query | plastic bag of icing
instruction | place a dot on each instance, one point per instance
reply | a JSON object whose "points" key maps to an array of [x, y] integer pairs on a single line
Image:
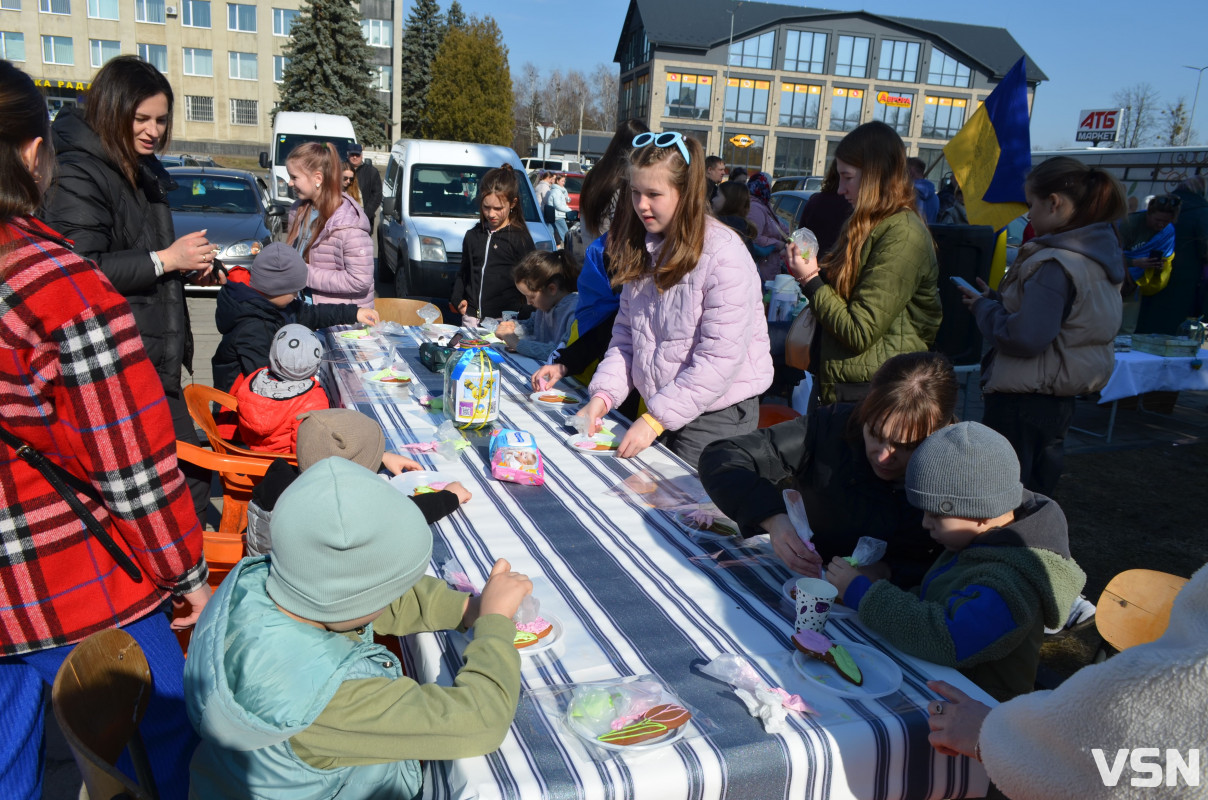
{"points": [[869, 550], [515, 457], [428, 313], [769, 704], [795, 507], [530, 609], [806, 242]]}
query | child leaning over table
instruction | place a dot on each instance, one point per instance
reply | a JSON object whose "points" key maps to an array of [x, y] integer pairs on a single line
{"points": [[346, 434], [1005, 574], [271, 399], [547, 281], [283, 682]]}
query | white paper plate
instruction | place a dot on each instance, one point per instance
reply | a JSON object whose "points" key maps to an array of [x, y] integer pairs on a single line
{"points": [[359, 338], [837, 609], [575, 438], [440, 329], [377, 378], [536, 400], [408, 482], [549, 641], [670, 737], [881, 675]]}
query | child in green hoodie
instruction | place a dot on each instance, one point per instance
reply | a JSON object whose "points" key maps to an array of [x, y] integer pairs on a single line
{"points": [[1006, 571]]}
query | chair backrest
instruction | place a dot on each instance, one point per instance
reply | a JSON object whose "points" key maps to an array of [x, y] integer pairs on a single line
{"points": [[401, 310], [1135, 607], [99, 697], [198, 397], [774, 413]]}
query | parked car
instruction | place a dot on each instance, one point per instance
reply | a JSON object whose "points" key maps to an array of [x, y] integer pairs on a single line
{"points": [[179, 160], [232, 206], [809, 183], [574, 185], [789, 205], [430, 201]]}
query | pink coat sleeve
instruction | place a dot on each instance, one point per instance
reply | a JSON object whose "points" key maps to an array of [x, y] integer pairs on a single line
{"points": [[613, 377], [723, 350], [342, 265]]}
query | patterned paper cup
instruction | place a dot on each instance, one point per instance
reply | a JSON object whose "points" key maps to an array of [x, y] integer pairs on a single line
{"points": [[814, 600]]}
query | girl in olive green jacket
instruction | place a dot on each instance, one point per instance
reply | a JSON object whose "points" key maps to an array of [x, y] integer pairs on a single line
{"points": [[879, 297]]}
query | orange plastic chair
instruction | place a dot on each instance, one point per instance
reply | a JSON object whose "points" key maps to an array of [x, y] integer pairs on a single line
{"points": [[773, 413], [239, 473]]}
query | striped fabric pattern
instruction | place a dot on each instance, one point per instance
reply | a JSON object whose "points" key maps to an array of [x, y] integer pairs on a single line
{"points": [[639, 594], [75, 383]]}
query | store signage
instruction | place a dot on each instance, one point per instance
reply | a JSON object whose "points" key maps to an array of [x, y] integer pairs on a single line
{"points": [[1098, 125], [896, 100], [741, 140], [79, 86]]}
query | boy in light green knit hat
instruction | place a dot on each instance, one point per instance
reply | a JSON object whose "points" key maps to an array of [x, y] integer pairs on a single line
{"points": [[283, 682], [1006, 571]]}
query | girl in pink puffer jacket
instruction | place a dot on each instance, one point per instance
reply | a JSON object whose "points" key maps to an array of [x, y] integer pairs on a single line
{"points": [[329, 228], [690, 334]]}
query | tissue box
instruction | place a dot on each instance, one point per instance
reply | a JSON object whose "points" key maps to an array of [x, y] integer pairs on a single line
{"points": [[515, 457]]}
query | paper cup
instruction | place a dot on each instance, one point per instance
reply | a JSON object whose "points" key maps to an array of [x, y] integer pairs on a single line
{"points": [[814, 600]]}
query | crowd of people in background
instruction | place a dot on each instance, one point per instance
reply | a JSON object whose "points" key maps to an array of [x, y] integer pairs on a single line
{"points": [[664, 319]]}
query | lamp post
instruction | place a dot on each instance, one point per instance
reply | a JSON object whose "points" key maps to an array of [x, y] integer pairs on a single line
{"points": [[726, 82], [1191, 121]]}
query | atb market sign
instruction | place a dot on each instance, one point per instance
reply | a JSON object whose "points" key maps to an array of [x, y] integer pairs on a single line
{"points": [[1099, 125]]}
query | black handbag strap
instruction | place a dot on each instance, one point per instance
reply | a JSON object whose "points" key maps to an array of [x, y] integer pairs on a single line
{"points": [[51, 472]]}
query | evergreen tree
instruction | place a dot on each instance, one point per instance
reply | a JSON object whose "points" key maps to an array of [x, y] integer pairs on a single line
{"points": [[455, 17], [471, 95], [421, 41], [328, 69]]}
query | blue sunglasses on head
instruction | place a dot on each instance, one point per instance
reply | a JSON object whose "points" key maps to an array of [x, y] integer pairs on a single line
{"points": [[664, 139]]}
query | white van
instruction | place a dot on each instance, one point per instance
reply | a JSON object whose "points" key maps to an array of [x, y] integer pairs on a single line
{"points": [[292, 128], [429, 203], [552, 164]]}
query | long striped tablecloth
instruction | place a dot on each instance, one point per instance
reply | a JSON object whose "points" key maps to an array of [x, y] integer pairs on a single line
{"points": [[637, 593]]}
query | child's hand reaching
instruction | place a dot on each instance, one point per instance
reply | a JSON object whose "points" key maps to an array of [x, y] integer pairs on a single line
{"points": [[399, 464], [639, 436], [595, 411], [367, 316], [804, 271], [504, 590], [547, 376], [507, 326], [840, 574], [463, 494]]}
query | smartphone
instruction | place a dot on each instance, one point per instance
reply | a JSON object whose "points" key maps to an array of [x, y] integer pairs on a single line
{"points": [[456, 339], [964, 284], [220, 268]]}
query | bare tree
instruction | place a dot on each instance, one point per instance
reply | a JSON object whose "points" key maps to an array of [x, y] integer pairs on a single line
{"points": [[604, 81], [1174, 125], [1140, 104], [527, 106]]}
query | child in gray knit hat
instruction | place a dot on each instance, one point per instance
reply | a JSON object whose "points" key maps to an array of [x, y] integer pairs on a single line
{"points": [[272, 398], [1006, 571], [284, 683]]}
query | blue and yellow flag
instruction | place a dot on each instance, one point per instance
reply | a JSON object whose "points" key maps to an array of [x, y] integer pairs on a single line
{"points": [[991, 154]]}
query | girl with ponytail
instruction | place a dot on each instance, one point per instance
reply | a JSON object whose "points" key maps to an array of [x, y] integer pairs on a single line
{"points": [[547, 281], [329, 228], [1053, 320], [879, 296]]}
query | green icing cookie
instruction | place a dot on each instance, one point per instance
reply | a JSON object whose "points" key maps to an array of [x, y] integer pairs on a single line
{"points": [[846, 664]]}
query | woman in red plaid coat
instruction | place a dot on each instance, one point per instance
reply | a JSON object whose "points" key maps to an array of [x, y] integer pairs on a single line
{"points": [[76, 385]]}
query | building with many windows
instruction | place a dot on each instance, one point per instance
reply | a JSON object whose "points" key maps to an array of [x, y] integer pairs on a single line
{"points": [[224, 59], [775, 87]]}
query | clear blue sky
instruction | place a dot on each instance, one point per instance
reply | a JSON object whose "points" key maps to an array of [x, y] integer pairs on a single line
{"points": [[1088, 50]]}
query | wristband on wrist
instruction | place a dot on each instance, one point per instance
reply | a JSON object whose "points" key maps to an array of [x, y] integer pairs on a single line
{"points": [[159, 264], [653, 423]]}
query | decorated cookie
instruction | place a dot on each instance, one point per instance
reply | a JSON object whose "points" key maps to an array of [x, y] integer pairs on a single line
{"points": [[596, 444], [558, 398], [669, 714], [635, 733], [815, 645], [529, 633]]}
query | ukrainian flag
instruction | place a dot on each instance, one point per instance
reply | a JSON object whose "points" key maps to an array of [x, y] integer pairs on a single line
{"points": [[991, 154]]}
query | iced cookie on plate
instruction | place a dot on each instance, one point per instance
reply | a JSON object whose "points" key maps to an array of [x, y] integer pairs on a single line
{"points": [[815, 645], [529, 633], [654, 723]]}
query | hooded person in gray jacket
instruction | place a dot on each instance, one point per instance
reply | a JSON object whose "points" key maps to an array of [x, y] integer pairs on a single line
{"points": [[1053, 320]]}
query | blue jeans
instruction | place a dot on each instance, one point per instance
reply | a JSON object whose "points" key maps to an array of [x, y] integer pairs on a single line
{"points": [[167, 735], [560, 229]]}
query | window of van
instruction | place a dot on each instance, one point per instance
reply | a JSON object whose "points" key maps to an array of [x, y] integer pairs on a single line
{"points": [[447, 190], [286, 142]]}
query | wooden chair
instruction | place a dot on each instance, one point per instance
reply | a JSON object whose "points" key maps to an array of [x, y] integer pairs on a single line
{"points": [[1135, 607], [401, 310], [99, 697]]}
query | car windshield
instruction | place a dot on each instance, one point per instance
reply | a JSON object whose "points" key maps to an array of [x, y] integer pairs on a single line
{"points": [[208, 193], [574, 184], [447, 190], [286, 142]]}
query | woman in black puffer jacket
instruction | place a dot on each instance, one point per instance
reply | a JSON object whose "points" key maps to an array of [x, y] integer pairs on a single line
{"points": [[110, 199]]}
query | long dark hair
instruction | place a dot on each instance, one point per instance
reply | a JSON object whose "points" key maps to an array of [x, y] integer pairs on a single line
{"points": [[502, 180], [608, 177], [23, 118], [910, 397], [885, 189], [1097, 196], [117, 91], [539, 269]]}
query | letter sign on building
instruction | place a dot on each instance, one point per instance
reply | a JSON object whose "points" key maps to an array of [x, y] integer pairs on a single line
{"points": [[1098, 125]]}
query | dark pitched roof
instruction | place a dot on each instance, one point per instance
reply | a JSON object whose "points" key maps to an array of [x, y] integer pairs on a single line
{"points": [[708, 25], [594, 143]]}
